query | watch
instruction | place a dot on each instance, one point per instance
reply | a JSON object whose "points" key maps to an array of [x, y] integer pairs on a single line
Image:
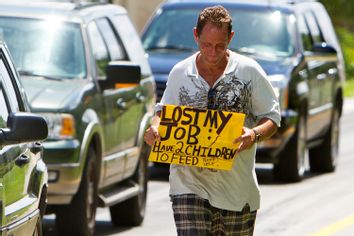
{"points": [[257, 136]]}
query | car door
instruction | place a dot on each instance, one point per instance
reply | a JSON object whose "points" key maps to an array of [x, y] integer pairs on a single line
{"points": [[144, 98], [307, 73], [119, 119], [327, 68], [16, 161], [319, 112], [330, 69], [128, 101]]}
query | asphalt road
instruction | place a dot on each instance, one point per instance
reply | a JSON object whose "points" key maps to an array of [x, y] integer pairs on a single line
{"points": [[320, 205]]}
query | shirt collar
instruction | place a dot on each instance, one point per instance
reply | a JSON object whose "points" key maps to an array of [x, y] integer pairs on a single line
{"points": [[230, 67]]}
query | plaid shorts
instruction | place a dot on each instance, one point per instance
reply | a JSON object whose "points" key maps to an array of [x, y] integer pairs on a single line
{"points": [[194, 216]]}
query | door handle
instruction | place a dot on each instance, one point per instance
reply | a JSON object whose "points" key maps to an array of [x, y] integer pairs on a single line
{"points": [[332, 72], [121, 104], [303, 74], [321, 76], [22, 160], [140, 97], [36, 147]]}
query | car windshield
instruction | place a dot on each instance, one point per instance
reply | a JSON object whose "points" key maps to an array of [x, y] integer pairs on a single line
{"points": [[48, 48], [261, 33]]}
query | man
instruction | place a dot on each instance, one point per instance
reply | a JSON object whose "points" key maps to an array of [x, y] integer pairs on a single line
{"points": [[207, 201]]}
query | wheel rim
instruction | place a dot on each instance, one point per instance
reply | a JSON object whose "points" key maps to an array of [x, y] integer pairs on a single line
{"points": [[335, 138], [302, 151], [142, 186], [91, 205]]}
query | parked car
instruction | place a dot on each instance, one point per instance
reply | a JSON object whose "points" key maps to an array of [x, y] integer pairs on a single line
{"points": [[83, 67], [295, 43], [23, 174]]}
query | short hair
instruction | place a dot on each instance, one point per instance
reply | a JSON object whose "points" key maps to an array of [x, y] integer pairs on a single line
{"points": [[216, 15]]}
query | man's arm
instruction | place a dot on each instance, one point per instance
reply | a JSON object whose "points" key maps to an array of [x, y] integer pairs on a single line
{"points": [[152, 133], [264, 130]]}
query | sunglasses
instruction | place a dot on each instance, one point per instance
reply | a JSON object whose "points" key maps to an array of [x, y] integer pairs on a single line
{"points": [[212, 99]]}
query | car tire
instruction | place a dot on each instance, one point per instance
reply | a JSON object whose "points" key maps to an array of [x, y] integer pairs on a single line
{"points": [[132, 211], [291, 164], [324, 157], [78, 218]]}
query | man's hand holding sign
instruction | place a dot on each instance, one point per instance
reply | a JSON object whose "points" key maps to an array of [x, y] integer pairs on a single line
{"points": [[193, 137], [203, 138]]}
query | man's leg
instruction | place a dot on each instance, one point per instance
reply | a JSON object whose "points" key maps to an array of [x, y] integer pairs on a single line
{"points": [[232, 222], [192, 215]]}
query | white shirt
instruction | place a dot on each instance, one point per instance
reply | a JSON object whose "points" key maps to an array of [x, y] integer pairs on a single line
{"points": [[243, 88]]}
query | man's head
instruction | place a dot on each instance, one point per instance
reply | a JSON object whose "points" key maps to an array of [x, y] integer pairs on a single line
{"points": [[217, 15], [213, 34]]}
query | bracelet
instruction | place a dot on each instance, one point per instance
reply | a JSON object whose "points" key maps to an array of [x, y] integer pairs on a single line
{"points": [[257, 135]]}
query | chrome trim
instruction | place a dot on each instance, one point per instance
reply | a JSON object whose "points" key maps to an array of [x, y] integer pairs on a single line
{"points": [[64, 165], [20, 204], [320, 109], [288, 113], [120, 195], [34, 215]]}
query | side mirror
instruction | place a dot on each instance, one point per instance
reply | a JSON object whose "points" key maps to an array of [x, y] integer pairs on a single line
{"points": [[23, 127], [121, 74], [324, 48]]}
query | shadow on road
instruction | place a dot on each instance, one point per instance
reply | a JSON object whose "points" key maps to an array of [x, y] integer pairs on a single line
{"points": [[102, 228], [106, 228], [265, 175], [161, 173]]}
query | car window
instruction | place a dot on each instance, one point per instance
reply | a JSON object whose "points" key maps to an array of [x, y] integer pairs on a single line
{"points": [[305, 33], [171, 30], [314, 29], [326, 26], [131, 41], [115, 48], [99, 49], [3, 108], [8, 87], [58, 51], [262, 32]]}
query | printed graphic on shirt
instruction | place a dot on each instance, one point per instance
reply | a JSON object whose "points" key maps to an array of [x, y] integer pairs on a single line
{"points": [[200, 138], [232, 94]]}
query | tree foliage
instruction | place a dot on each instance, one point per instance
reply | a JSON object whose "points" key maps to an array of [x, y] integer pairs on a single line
{"points": [[341, 12]]}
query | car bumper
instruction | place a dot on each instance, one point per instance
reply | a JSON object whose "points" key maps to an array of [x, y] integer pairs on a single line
{"points": [[64, 170], [268, 150]]}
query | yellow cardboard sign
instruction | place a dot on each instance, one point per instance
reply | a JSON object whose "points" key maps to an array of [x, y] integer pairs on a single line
{"points": [[195, 137]]}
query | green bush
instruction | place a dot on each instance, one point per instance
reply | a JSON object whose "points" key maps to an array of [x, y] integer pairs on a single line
{"points": [[346, 39]]}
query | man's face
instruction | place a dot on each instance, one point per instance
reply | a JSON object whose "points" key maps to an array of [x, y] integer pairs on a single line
{"points": [[213, 42]]}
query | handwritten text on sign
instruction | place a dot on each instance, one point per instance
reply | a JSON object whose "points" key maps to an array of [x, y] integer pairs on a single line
{"points": [[196, 137]]}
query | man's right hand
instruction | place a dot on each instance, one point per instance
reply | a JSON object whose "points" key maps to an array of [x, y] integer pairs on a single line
{"points": [[151, 134]]}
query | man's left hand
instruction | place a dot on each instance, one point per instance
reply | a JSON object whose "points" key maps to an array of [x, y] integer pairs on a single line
{"points": [[246, 140]]}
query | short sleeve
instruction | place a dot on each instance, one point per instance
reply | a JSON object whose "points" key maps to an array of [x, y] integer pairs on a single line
{"points": [[265, 103], [170, 95]]}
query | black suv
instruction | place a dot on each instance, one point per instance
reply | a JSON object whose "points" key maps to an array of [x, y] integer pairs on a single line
{"points": [[295, 43], [23, 174], [84, 68]]}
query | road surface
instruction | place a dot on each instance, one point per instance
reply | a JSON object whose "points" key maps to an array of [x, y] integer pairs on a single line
{"points": [[320, 205]]}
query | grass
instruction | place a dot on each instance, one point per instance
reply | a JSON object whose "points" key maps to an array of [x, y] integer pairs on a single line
{"points": [[349, 88]]}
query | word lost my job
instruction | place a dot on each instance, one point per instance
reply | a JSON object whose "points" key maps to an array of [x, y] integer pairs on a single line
{"points": [[196, 137]]}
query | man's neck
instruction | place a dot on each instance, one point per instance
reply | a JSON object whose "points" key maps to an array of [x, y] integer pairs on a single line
{"points": [[211, 72]]}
